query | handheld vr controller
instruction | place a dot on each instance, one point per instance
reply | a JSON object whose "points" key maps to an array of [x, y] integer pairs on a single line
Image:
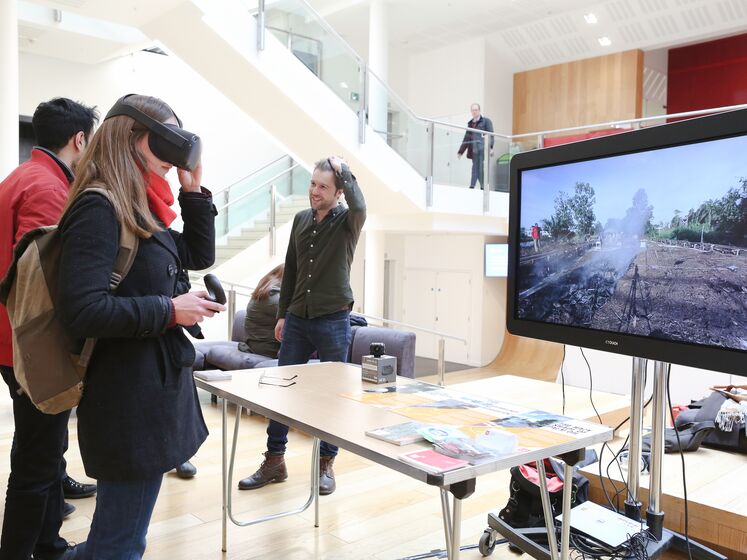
{"points": [[214, 289]]}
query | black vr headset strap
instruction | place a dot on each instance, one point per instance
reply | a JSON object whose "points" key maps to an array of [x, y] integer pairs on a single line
{"points": [[122, 108]]}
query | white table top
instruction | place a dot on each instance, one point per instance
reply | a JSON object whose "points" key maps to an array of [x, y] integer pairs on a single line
{"points": [[316, 404]]}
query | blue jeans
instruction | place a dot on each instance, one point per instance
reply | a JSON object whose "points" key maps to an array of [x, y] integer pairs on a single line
{"points": [[330, 336], [120, 522], [478, 169]]}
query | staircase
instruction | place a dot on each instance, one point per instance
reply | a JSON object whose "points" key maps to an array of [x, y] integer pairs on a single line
{"points": [[235, 243], [312, 114]]}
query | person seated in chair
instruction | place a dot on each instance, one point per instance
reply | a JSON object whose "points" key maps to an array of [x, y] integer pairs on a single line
{"points": [[261, 316]]}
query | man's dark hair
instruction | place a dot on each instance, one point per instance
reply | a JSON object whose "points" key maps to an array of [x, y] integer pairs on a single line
{"points": [[58, 120], [325, 165]]}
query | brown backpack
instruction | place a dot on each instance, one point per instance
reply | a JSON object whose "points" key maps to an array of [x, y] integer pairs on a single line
{"points": [[49, 365]]}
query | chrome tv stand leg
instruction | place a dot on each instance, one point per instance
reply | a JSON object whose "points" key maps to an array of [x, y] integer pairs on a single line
{"points": [[665, 539]]}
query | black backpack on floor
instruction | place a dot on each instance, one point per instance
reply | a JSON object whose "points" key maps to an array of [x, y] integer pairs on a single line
{"points": [[524, 507]]}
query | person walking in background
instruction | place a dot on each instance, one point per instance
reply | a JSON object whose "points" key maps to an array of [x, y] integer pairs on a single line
{"points": [[32, 196], [139, 416], [474, 144], [316, 299], [536, 233]]}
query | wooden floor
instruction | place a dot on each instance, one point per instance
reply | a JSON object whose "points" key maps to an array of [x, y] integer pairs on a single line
{"points": [[375, 513]]}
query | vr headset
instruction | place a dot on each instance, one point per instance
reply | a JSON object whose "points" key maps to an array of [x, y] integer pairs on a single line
{"points": [[168, 142]]}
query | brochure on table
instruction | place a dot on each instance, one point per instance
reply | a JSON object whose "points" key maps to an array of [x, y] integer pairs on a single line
{"points": [[474, 415]]}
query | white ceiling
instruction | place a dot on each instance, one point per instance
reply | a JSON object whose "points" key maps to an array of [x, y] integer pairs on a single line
{"points": [[533, 33]]}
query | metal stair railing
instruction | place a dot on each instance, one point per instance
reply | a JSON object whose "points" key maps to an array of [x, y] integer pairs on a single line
{"points": [[234, 289]]}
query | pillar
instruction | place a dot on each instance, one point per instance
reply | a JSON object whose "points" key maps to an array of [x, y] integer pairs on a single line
{"points": [[378, 62], [9, 132]]}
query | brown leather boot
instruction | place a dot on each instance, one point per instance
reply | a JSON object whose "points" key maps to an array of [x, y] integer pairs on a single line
{"points": [[327, 483], [272, 469]]}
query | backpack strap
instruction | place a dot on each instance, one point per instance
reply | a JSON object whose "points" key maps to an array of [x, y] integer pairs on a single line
{"points": [[128, 245]]}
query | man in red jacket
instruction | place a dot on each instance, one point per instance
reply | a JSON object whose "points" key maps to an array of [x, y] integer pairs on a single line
{"points": [[34, 195]]}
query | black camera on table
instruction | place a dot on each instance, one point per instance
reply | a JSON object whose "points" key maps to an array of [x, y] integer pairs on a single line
{"points": [[377, 367]]}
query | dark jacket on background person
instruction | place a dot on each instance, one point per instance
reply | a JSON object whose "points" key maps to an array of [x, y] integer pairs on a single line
{"points": [[259, 325], [473, 141], [139, 415]]}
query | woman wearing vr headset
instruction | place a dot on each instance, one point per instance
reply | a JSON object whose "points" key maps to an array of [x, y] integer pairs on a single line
{"points": [[139, 416]]}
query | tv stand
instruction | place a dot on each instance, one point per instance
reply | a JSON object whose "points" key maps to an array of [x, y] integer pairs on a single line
{"points": [[665, 539], [534, 541]]}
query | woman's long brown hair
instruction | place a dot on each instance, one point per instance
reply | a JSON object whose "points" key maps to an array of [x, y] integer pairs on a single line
{"points": [[114, 162], [274, 277]]}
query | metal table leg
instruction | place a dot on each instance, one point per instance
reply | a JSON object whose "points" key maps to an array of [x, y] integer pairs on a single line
{"points": [[227, 464], [456, 529], [224, 466], [565, 530], [446, 516], [552, 542]]}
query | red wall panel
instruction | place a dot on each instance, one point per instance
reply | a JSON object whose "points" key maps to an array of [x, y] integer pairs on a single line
{"points": [[712, 74]]}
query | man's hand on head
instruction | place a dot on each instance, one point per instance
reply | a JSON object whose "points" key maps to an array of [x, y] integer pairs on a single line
{"points": [[336, 162]]}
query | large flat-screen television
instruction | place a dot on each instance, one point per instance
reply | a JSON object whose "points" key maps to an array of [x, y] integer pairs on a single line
{"points": [[636, 243]]}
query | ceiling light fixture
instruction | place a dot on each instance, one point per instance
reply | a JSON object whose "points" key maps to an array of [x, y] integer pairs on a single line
{"points": [[590, 18], [343, 85], [605, 41]]}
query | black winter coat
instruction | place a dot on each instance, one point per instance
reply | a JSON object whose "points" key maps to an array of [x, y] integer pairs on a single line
{"points": [[474, 142], [139, 416]]}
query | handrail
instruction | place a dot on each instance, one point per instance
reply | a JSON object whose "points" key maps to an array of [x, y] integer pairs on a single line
{"points": [[613, 124], [441, 361], [258, 187], [327, 27], [427, 120], [467, 128], [250, 289], [252, 174], [414, 327]]}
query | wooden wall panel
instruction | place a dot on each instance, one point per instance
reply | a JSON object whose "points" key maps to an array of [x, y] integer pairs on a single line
{"points": [[595, 90]]}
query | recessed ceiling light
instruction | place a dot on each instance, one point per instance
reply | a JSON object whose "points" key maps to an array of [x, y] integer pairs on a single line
{"points": [[590, 18], [343, 85], [605, 41]]}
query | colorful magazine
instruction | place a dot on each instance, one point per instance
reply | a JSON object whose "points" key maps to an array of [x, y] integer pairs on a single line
{"points": [[432, 461], [398, 434]]}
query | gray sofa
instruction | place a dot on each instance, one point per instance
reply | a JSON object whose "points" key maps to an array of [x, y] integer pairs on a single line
{"points": [[226, 355]]}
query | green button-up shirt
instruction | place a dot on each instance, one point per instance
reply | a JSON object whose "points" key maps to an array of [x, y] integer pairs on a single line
{"points": [[316, 281]]}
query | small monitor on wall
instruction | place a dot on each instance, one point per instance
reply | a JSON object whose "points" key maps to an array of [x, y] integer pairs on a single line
{"points": [[496, 260], [636, 243]]}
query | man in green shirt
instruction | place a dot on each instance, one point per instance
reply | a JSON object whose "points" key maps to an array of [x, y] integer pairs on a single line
{"points": [[316, 299]]}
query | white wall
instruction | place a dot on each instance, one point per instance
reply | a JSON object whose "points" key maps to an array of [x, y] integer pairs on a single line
{"points": [[612, 373], [447, 80], [233, 145], [499, 89], [468, 306]]}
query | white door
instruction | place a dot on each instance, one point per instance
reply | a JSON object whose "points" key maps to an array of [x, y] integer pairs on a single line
{"points": [[453, 305], [418, 306]]}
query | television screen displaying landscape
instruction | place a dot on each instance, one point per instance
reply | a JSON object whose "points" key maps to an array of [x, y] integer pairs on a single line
{"points": [[651, 243]]}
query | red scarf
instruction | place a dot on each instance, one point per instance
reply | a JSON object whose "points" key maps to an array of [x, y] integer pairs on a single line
{"points": [[160, 197]]}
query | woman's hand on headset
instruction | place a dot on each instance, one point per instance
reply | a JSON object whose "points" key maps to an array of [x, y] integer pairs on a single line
{"points": [[191, 180]]}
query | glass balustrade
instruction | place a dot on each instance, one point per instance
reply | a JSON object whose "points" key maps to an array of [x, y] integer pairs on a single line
{"points": [[318, 47], [391, 119], [251, 197], [429, 147]]}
